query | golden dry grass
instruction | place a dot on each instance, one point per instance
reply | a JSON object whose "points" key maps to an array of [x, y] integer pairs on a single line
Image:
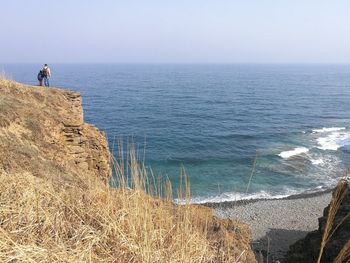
{"points": [[338, 196], [4, 76], [344, 254], [54, 220]]}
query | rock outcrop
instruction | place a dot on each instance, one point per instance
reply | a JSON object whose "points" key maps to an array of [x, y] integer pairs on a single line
{"points": [[42, 132], [57, 207], [307, 249]]}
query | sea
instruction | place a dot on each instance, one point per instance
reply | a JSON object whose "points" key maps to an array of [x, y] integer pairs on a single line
{"points": [[240, 131]]}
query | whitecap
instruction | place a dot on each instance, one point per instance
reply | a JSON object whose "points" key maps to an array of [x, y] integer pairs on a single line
{"points": [[334, 141], [295, 151], [317, 161], [331, 129]]}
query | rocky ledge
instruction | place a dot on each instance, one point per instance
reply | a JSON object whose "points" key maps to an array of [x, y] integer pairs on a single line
{"points": [[57, 208], [337, 247], [42, 132]]}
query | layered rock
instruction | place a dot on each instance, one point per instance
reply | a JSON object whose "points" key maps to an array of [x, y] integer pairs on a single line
{"points": [[56, 208], [307, 249], [42, 131]]}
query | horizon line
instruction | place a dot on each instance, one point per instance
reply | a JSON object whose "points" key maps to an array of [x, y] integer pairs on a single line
{"points": [[184, 63]]}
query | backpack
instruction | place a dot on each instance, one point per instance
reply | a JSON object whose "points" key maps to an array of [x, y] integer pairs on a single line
{"points": [[45, 72], [40, 75]]}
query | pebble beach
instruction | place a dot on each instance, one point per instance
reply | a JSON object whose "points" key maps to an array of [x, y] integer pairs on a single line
{"points": [[278, 223]]}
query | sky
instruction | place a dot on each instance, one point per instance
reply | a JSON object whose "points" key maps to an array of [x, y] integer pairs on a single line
{"points": [[177, 31]]}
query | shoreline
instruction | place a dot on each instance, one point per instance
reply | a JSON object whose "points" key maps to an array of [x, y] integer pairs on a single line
{"points": [[276, 223], [243, 202]]}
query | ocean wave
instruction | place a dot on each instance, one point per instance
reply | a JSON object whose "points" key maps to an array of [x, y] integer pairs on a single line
{"points": [[236, 196], [331, 129], [334, 141], [295, 151], [319, 161]]}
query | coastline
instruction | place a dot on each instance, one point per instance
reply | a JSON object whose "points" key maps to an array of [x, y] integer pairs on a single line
{"points": [[276, 223], [243, 202], [55, 167]]}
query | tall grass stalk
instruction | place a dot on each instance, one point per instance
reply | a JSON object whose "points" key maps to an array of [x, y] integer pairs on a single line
{"points": [[344, 254], [53, 220], [4, 75], [252, 173], [337, 198]]}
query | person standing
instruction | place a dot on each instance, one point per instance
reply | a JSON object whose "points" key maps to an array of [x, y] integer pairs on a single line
{"points": [[47, 74], [40, 77]]}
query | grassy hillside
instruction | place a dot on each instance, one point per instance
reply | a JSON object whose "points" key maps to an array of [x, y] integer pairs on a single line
{"points": [[56, 204]]}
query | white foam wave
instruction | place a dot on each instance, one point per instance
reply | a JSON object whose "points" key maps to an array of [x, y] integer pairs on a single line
{"points": [[334, 141], [235, 196], [317, 161], [331, 129], [295, 151]]}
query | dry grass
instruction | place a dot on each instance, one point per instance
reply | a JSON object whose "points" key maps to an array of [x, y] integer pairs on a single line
{"points": [[4, 76], [338, 196], [53, 220], [344, 254]]}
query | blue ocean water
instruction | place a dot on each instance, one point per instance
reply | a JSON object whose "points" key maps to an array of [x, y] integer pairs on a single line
{"points": [[216, 119]]}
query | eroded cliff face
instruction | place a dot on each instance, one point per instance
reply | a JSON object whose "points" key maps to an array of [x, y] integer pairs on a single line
{"points": [[57, 207], [307, 249], [42, 132]]}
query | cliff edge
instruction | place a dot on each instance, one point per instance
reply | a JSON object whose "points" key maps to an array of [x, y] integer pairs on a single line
{"points": [[332, 235], [42, 132], [56, 204]]}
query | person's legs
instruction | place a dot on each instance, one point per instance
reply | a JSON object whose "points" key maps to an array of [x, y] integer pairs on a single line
{"points": [[46, 81]]}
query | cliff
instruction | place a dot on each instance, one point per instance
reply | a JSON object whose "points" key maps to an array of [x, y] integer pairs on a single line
{"points": [[42, 132], [56, 204], [333, 230]]}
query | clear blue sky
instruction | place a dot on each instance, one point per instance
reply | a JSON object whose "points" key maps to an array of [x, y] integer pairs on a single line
{"points": [[177, 31]]}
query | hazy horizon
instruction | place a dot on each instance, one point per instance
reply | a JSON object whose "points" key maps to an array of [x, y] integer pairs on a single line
{"points": [[182, 63], [181, 32]]}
